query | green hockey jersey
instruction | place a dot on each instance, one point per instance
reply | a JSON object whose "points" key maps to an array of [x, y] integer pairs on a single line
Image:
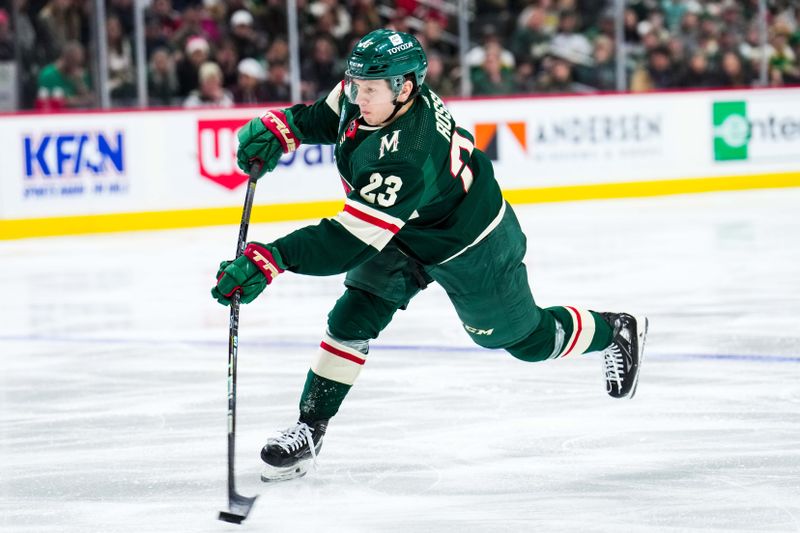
{"points": [[418, 182]]}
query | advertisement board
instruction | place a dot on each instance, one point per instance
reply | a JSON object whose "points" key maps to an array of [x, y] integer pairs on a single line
{"points": [[87, 164]]}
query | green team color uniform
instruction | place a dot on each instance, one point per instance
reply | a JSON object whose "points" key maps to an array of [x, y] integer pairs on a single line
{"points": [[422, 205]]}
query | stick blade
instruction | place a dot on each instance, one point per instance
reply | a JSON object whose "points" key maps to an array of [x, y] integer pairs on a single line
{"points": [[239, 507], [233, 518]]}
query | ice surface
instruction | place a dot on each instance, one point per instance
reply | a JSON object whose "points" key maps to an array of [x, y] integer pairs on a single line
{"points": [[113, 392]]}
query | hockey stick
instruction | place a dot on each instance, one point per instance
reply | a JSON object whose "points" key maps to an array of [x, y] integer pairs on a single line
{"points": [[238, 506]]}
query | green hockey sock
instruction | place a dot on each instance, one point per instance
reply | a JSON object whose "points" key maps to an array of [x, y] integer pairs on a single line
{"points": [[321, 398]]}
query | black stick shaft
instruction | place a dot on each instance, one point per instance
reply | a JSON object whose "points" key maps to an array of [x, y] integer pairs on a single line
{"points": [[233, 339]]}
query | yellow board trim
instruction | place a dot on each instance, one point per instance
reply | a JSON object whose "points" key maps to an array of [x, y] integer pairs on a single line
{"points": [[190, 218]]}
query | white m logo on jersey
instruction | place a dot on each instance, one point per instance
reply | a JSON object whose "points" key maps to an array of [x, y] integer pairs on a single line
{"points": [[389, 144]]}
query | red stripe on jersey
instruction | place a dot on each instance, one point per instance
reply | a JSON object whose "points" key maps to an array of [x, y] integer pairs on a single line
{"points": [[340, 353], [578, 329], [375, 221]]}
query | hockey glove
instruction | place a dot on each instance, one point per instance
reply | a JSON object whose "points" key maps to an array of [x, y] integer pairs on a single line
{"points": [[264, 140], [250, 273]]}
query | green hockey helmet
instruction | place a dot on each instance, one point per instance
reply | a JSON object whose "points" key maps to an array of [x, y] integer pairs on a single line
{"points": [[386, 55]]}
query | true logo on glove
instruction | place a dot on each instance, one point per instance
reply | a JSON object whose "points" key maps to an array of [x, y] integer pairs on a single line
{"points": [[289, 140], [263, 260], [264, 264]]}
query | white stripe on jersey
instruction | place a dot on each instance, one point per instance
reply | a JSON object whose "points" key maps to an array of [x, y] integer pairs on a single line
{"points": [[493, 224], [377, 213], [335, 97], [367, 233]]}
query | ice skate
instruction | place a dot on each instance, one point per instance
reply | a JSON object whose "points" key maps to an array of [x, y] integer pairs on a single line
{"points": [[290, 455], [622, 360]]}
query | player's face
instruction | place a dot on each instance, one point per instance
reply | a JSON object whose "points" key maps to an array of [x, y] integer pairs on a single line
{"points": [[374, 98]]}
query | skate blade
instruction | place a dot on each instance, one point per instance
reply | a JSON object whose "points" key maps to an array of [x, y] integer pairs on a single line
{"points": [[271, 473], [642, 337]]}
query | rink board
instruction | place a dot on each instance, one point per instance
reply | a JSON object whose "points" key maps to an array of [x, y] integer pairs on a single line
{"points": [[98, 172]]}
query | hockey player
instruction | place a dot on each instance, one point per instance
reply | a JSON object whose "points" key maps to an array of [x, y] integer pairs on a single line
{"points": [[422, 205]]}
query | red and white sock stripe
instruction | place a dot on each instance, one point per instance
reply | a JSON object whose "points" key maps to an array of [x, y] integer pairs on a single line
{"points": [[337, 362], [371, 226], [582, 332]]}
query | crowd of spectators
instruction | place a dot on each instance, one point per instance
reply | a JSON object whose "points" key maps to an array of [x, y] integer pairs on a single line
{"points": [[225, 52]]}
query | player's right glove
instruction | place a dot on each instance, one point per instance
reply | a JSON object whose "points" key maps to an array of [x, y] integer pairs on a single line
{"points": [[251, 272], [264, 140]]}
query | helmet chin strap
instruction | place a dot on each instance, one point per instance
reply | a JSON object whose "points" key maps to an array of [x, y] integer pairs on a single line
{"points": [[397, 107]]}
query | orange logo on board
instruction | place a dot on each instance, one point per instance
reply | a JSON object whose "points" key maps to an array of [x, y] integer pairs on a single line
{"points": [[486, 137]]}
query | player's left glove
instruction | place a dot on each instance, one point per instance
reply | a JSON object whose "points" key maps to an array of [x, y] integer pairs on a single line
{"points": [[251, 272]]}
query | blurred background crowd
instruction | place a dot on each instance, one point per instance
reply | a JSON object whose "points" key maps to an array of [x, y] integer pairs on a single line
{"points": [[226, 52]]}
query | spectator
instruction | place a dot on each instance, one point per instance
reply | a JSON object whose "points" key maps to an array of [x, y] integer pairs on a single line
{"points": [[336, 12], [630, 24], [708, 39], [195, 22], [525, 77], [750, 49], [492, 78], [366, 10], [654, 23], [784, 58], [120, 63], [476, 57], [59, 21], [689, 31], [558, 77], [698, 73], [399, 20], [602, 73], [162, 82], [677, 51], [732, 19], [123, 10], [607, 25], [278, 52], [210, 92], [433, 35], [436, 78], [321, 71], [273, 18], [658, 73], [531, 40], [277, 87], [728, 41], [361, 27], [250, 88], [248, 42], [775, 77], [568, 42], [6, 38], [67, 78], [732, 71], [227, 57], [674, 10], [154, 36], [162, 23], [188, 68]]}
